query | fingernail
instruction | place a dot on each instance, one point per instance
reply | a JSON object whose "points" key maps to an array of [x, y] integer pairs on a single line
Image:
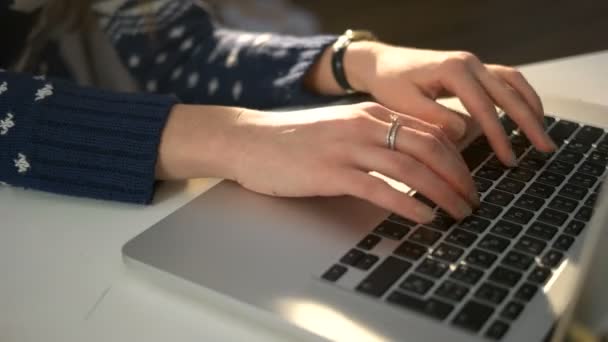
{"points": [[424, 213], [464, 209], [474, 198], [459, 127], [513, 160]]}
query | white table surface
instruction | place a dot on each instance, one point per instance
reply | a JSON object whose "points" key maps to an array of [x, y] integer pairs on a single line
{"points": [[63, 279]]}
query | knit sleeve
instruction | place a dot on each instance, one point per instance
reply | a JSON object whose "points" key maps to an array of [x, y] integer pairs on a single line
{"points": [[176, 47], [59, 137]]}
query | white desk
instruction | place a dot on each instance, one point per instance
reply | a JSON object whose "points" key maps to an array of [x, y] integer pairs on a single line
{"points": [[62, 276]]}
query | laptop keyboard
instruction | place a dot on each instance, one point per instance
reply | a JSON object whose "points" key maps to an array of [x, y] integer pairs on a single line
{"points": [[478, 274]]}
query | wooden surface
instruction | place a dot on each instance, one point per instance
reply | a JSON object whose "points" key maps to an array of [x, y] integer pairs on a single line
{"points": [[506, 32]]}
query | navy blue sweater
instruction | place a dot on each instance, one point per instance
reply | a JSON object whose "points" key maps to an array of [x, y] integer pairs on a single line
{"points": [[60, 137]]}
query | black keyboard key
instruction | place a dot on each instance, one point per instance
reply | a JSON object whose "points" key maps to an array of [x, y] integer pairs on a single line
{"points": [[452, 291], [416, 284], [473, 316], [563, 203], [590, 201], [599, 158], [467, 274], [526, 292], [430, 307], [474, 224], [522, 175], [582, 180], [507, 229], [518, 215], [491, 293], [573, 191], [519, 140], [424, 200], [554, 217], [447, 252], [480, 258], [548, 121], [592, 169], [529, 202], [540, 275], [550, 178], [517, 260], [536, 154], [569, 157], [578, 146], [334, 273], [432, 268], [508, 124], [383, 276], [481, 184], [562, 130], [560, 167], [588, 134], [540, 190], [602, 145], [584, 213], [488, 210], [531, 163], [461, 237], [392, 230], [497, 330], [574, 227], [512, 310], [401, 220], [504, 276], [411, 250], [498, 197], [542, 231], [552, 258], [369, 242], [367, 262], [563, 242], [493, 243], [442, 222], [489, 172], [530, 245], [425, 236], [510, 185], [518, 150], [352, 257]]}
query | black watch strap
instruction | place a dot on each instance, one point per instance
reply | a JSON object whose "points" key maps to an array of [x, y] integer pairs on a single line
{"points": [[337, 58]]}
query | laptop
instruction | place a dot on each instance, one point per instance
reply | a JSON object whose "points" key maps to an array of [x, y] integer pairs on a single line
{"points": [[342, 269]]}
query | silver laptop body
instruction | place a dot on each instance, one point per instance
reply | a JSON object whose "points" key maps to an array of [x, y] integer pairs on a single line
{"points": [[265, 257]]}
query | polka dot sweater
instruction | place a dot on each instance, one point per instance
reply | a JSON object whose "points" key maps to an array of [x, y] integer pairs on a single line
{"points": [[65, 138]]}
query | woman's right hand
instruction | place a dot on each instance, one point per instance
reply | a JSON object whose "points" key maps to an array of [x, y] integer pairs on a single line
{"points": [[331, 151]]}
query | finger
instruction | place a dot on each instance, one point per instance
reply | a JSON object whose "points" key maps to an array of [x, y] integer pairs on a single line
{"points": [[477, 102], [446, 162], [427, 109], [384, 114], [415, 174], [515, 106], [362, 185], [517, 81]]}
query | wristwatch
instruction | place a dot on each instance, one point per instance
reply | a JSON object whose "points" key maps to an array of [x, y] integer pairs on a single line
{"points": [[339, 48]]}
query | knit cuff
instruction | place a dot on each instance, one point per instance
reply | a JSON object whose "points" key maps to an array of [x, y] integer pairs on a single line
{"points": [[80, 141]]}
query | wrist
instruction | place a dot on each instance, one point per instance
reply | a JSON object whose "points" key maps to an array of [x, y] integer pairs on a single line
{"points": [[359, 64], [198, 141]]}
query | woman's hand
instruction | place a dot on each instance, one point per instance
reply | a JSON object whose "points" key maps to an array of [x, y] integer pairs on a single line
{"points": [[409, 80], [330, 151]]}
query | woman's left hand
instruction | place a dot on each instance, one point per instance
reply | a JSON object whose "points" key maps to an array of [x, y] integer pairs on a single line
{"points": [[410, 80]]}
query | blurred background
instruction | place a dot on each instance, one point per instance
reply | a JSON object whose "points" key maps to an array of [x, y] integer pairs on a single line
{"points": [[507, 32]]}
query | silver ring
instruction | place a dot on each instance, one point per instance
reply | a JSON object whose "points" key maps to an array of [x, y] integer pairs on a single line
{"points": [[391, 136]]}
